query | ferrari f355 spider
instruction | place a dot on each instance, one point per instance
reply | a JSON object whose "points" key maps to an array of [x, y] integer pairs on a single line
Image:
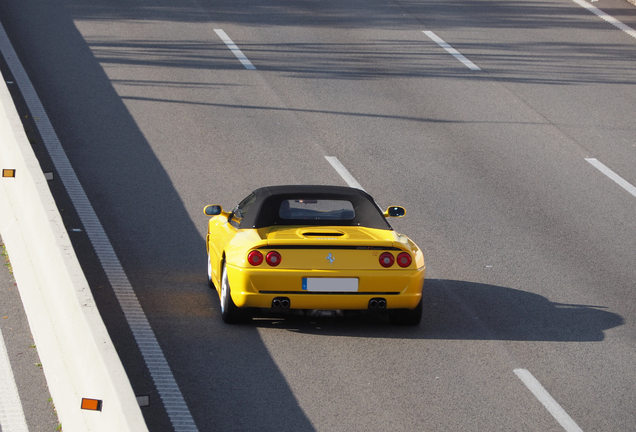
{"points": [[312, 248]]}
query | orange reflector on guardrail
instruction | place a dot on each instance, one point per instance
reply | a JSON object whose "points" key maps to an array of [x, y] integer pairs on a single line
{"points": [[91, 404], [8, 173]]}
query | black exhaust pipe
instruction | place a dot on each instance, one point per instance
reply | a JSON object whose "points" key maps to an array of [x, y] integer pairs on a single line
{"points": [[281, 303], [377, 303]]}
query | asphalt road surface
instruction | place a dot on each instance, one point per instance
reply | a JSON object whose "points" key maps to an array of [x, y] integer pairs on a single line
{"points": [[485, 119]]}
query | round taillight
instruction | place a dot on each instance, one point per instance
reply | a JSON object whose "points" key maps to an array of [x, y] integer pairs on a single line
{"points": [[273, 258], [255, 258], [404, 259], [386, 259]]}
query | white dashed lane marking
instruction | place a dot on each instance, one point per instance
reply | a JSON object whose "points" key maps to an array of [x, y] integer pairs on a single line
{"points": [[610, 19], [548, 401], [612, 175], [235, 50], [470, 65], [344, 173]]}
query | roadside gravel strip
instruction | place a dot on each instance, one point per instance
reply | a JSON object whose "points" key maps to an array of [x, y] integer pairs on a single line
{"points": [[78, 357], [11, 413], [32, 403]]}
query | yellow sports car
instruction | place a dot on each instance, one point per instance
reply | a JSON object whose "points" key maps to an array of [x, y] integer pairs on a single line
{"points": [[311, 249]]}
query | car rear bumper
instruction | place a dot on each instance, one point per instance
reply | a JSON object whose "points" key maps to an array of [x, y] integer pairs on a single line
{"points": [[401, 288]]}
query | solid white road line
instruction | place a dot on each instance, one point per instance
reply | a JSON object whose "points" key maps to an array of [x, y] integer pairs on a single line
{"points": [[612, 175], [544, 397], [610, 19], [235, 50], [11, 413], [344, 173], [160, 372], [451, 50]]}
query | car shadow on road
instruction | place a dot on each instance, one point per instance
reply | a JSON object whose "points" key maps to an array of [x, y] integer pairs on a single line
{"points": [[473, 311]]}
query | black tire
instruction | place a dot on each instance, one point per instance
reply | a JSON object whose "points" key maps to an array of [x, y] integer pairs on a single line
{"points": [[407, 317], [230, 313]]}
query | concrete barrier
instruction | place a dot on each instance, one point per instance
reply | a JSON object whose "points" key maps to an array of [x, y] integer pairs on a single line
{"points": [[78, 357]]}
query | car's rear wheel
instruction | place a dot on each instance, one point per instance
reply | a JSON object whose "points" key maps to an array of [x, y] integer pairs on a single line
{"points": [[407, 317], [230, 313]]}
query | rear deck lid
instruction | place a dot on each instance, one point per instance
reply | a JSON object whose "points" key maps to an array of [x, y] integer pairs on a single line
{"points": [[329, 236]]}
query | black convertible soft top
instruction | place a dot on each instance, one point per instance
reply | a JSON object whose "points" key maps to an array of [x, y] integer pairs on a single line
{"points": [[263, 205]]}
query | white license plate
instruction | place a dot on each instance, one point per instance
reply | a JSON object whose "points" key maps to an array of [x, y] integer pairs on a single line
{"points": [[330, 284]]}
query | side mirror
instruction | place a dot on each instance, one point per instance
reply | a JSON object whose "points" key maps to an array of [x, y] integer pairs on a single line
{"points": [[395, 211], [213, 210]]}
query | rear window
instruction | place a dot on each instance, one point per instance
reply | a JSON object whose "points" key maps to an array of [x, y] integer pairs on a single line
{"points": [[316, 209]]}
